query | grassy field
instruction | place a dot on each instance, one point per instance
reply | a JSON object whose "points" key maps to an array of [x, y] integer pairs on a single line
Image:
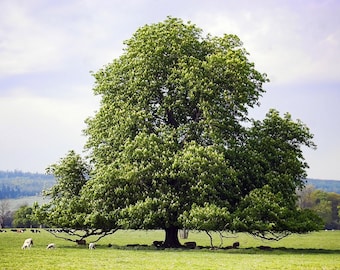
{"points": [[319, 250]]}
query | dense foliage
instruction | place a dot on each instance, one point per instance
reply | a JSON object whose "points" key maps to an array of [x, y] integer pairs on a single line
{"points": [[67, 209], [172, 145], [325, 204], [24, 218]]}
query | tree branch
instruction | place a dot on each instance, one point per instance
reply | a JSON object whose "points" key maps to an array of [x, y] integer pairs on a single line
{"points": [[88, 233], [270, 235]]}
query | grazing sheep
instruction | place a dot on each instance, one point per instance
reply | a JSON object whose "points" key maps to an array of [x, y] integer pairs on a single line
{"points": [[158, 244], [81, 242], [92, 246], [191, 245], [27, 243], [50, 246], [236, 245]]}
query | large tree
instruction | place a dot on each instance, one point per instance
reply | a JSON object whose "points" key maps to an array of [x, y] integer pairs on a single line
{"points": [[172, 135]]}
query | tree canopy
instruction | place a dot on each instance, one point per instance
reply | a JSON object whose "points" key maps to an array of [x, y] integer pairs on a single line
{"points": [[325, 204], [172, 145], [24, 217], [68, 209]]}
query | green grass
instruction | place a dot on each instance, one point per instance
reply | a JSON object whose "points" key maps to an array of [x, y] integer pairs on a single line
{"points": [[319, 250]]}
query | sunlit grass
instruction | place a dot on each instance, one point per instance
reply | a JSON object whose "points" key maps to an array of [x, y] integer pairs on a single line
{"points": [[320, 250]]}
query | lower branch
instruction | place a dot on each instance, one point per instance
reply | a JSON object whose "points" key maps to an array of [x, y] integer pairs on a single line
{"points": [[224, 236], [211, 239], [271, 235], [86, 233]]}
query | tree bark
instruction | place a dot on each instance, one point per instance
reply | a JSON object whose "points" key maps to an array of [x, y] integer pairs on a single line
{"points": [[171, 238]]}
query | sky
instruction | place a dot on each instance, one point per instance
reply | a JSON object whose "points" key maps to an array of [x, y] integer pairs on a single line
{"points": [[48, 50]]}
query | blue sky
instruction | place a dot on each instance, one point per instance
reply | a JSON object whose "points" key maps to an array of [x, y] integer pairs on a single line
{"points": [[48, 48]]}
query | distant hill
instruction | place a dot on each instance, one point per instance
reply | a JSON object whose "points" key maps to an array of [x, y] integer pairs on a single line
{"points": [[17, 184], [325, 185]]}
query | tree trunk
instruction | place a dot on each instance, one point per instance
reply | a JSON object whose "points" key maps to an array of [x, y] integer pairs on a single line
{"points": [[171, 238]]}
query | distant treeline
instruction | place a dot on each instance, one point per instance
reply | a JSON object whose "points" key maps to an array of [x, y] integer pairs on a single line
{"points": [[325, 185], [17, 184]]}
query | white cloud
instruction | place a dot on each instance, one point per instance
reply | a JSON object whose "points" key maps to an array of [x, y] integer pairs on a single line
{"points": [[38, 36], [27, 45], [38, 131], [288, 42], [47, 49]]}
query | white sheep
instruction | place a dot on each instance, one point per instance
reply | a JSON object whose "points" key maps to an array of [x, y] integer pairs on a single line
{"points": [[50, 246], [27, 243], [92, 246]]}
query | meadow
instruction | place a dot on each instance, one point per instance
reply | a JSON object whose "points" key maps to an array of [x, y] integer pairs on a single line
{"points": [[318, 250]]}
